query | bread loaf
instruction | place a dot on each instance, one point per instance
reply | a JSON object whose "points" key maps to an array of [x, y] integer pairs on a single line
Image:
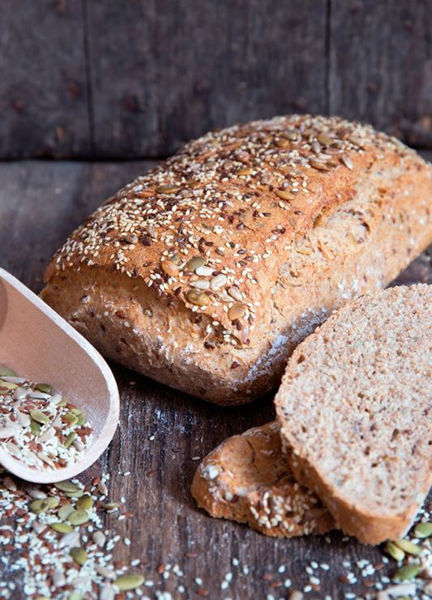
{"points": [[206, 272], [355, 410], [247, 479]]}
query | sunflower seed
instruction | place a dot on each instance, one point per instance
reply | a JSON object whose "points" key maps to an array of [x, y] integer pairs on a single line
{"points": [[347, 162], [69, 539], [200, 284], [218, 281], [99, 538], [204, 271], [285, 195], [235, 293]]}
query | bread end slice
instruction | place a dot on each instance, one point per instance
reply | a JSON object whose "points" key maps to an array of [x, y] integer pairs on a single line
{"points": [[246, 479], [355, 410]]}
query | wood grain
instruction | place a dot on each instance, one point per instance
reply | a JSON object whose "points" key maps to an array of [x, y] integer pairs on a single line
{"points": [[167, 71], [43, 88], [162, 430], [380, 65]]}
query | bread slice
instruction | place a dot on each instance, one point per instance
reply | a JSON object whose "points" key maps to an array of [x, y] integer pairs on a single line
{"points": [[355, 410], [246, 479]]}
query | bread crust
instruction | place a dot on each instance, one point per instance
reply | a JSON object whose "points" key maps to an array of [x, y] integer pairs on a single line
{"points": [[370, 521], [285, 219], [248, 480]]}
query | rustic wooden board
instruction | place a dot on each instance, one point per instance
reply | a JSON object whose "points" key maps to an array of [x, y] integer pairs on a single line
{"points": [[39, 203], [167, 71], [380, 65], [43, 87]]}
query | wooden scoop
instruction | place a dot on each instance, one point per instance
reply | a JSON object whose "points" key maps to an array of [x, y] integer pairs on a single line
{"points": [[39, 345]]}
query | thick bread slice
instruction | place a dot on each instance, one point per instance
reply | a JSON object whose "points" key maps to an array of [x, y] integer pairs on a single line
{"points": [[355, 409], [246, 479], [206, 272]]}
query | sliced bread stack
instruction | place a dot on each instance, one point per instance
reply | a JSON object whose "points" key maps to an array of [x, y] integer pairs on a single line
{"points": [[355, 416]]}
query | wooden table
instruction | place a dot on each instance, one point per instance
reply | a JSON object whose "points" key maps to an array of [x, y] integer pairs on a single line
{"points": [[162, 430]]}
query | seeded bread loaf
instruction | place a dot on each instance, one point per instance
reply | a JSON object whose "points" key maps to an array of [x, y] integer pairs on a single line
{"points": [[247, 479], [355, 410], [206, 272]]}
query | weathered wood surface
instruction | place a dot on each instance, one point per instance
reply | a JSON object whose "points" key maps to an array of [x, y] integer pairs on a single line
{"points": [[40, 202], [138, 78]]}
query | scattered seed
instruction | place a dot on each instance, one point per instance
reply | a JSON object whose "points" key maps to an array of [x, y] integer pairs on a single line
{"points": [[395, 552], [218, 281], [61, 527], [408, 547], [78, 517], [85, 502], [197, 297], [194, 263], [407, 572], [423, 530], [79, 555], [128, 582]]}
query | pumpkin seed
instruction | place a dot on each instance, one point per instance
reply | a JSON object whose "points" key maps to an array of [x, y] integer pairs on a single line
{"points": [[128, 582], [406, 572], [67, 486], [39, 416], [37, 506], [35, 428], [51, 502], [194, 263], [7, 385], [423, 530], [69, 439], [395, 552], [85, 502], [64, 511], [408, 547], [61, 527], [78, 517], [79, 555], [236, 311], [46, 388], [6, 372], [71, 418], [197, 297]]}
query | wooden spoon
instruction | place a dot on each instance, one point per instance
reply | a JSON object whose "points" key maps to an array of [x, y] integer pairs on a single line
{"points": [[39, 345]]}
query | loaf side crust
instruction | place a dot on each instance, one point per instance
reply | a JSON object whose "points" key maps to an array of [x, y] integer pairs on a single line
{"points": [[282, 256], [247, 479]]}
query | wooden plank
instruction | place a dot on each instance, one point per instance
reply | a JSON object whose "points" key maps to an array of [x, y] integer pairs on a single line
{"points": [[43, 87], [161, 430], [165, 71], [381, 65]]}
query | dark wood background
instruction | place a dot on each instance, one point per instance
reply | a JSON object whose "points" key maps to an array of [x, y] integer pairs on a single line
{"points": [[111, 80], [136, 78], [40, 202]]}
